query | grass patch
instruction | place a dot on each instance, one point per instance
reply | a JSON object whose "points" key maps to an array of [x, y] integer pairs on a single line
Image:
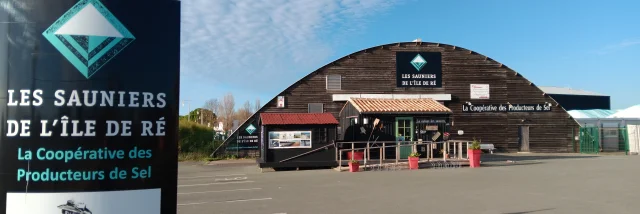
{"points": [[192, 156], [199, 156]]}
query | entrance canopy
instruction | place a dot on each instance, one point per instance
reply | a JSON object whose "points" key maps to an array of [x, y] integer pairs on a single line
{"points": [[298, 119], [398, 106]]}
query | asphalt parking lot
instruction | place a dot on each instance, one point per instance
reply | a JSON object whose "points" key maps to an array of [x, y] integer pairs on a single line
{"points": [[533, 184]]}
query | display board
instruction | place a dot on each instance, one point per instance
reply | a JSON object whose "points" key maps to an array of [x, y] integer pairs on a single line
{"points": [[419, 69], [90, 92], [479, 91], [289, 139], [280, 102]]}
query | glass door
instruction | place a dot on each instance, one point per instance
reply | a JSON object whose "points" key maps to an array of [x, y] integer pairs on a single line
{"points": [[404, 132]]}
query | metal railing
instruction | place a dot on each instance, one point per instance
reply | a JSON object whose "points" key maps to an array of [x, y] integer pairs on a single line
{"points": [[457, 150]]}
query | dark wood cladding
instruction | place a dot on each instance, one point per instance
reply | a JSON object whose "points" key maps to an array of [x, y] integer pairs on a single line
{"points": [[372, 71]]}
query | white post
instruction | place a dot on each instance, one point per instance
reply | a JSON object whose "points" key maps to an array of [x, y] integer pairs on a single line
{"points": [[384, 151], [340, 161]]}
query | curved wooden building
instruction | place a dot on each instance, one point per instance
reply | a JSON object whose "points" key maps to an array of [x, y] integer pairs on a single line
{"points": [[482, 98]]}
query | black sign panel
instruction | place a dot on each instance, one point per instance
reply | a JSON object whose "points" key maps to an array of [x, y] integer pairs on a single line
{"points": [[419, 69], [506, 108], [248, 138], [245, 142], [89, 101]]}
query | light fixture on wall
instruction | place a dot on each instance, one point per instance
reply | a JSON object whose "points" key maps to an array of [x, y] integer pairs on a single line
{"points": [[365, 121]]}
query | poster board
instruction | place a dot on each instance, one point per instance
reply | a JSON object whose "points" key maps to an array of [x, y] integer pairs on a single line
{"points": [[289, 139], [280, 102], [479, 91]]}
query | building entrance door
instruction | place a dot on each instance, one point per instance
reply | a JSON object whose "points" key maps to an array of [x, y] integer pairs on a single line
{"points": [[404, 132], [524, 138]]}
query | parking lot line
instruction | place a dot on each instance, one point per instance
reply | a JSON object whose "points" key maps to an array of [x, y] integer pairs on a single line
{"points": [[231, 179], [229, 190], [220, 183], [231, 201], [211, 176]]}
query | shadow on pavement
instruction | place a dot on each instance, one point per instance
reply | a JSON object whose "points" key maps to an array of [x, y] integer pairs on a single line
{"points": [[529, 157], [503, 164], [532, 211], [282, 169]]}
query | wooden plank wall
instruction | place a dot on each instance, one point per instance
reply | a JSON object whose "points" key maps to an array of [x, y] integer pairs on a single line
{"points": [[373, 71]]}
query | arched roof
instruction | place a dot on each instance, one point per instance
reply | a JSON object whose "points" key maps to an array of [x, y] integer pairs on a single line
{"points": [[413, 43]]}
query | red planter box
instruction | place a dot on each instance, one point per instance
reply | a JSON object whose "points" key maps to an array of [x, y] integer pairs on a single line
{"points": [[474, 158], [356, 155], [413, 162], [354, 167]]}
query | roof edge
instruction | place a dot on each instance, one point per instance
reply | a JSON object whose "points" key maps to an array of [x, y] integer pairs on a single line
{"points": [[382, 46]]}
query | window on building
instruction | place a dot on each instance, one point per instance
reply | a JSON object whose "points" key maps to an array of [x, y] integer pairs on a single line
{"points": [[610, 133], [316, 108], [353, 121], [334, 82], [320, 135]]}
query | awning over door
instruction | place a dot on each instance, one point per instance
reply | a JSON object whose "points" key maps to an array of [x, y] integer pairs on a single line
{"points": [[398, 106], [298, 119]]}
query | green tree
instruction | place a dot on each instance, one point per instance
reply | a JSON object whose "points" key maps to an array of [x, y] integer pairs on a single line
{"points": [[202, 116]]}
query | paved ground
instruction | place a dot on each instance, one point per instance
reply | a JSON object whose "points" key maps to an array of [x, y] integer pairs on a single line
{"points": [[534, 184]]}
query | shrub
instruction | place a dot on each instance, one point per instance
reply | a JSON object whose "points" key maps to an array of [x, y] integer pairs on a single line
{"points": [[196, 138], [475, 144]]}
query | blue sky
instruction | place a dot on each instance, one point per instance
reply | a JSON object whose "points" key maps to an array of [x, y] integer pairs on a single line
{"points": [[255, 49]]}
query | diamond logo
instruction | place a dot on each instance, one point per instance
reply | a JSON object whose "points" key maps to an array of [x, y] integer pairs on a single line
{"points": [[418, 62], [89, 36], [250, 129]]}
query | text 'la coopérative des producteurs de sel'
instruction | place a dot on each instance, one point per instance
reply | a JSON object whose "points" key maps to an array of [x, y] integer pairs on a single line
{"points": [[67, 127]]}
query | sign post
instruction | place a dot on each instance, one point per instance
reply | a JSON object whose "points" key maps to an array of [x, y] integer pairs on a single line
{"points": [[89, 106]]}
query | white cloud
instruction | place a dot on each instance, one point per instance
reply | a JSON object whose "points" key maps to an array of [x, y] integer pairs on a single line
{"points": [[227, 40], [618, 46]]}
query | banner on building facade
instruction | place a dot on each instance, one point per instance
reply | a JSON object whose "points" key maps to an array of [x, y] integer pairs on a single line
{"points": [[419, 69], [506, 108], [90, 106]]}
